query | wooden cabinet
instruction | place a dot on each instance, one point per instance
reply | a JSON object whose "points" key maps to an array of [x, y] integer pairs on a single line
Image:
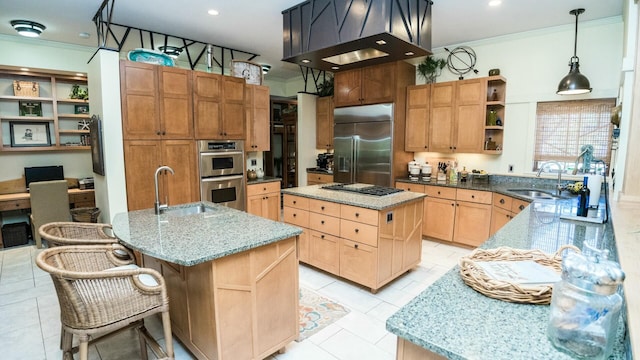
{"points": [[143, 157], [457, 116], [472, 223], [494, 128], [242, 306], [316, 179], [264, 200], [439, 212], [55, 124], [368, 85], [418, 115], [156, 102], [410, 187], [504, 209], [366, 246], [218, 105], [324, 123], [257, 117]]}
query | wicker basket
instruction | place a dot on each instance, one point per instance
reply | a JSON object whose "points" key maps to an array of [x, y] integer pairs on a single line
{"points": [[26, 88], [475, 277], [85, 214]]}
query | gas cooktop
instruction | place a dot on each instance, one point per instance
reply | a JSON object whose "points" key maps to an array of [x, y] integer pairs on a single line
{"points": [[365, 189]]}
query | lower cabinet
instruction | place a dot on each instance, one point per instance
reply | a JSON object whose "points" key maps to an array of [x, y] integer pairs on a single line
{"points": [[504, 209], [317, 179], [242, 306], [263, 200], [366, 246]]}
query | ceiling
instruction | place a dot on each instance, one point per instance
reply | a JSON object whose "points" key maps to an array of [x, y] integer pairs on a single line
{"points": [[256, 26]]}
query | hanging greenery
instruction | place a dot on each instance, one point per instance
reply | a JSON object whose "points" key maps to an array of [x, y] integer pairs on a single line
{"points": [[430, 68]]}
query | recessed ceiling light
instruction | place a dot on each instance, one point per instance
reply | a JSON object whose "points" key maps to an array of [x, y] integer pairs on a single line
{"points": [[495, 2], [265, 68], [213, 12], [305, 61], [28, 28], [409, 53], [84, 35], [335, 67], [381, 42], [79, 74]]}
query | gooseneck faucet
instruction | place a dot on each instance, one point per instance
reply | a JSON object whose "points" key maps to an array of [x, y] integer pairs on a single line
{"points": [[559, 186], [159, 208]]}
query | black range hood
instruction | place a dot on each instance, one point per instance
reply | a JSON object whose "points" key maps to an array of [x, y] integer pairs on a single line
{"points": [[336, 35]]}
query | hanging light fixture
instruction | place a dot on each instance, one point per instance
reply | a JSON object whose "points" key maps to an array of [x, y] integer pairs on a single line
{"points": [[574, 83], [28, 28], [172, 51]]}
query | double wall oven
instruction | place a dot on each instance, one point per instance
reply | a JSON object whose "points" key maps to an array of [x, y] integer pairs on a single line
{"points": [[222, 177]]}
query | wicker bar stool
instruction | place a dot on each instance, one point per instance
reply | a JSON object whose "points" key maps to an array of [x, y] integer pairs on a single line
{"points": [[100, 293], [76, 233]]}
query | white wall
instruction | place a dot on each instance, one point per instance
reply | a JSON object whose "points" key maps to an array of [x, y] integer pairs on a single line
{"points": [[307, 152], [38, 54], [533, 64]]}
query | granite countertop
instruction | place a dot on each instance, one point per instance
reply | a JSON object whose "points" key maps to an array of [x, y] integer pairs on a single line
{"points": [[349, 198], [264, 179], [196, 238], [451, 319]]}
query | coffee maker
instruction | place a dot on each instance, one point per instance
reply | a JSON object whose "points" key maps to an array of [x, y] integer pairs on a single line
{"points": [[325, 162]]}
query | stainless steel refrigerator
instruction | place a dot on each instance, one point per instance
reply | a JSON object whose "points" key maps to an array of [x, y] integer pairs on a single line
{"points": [[363, 144]]}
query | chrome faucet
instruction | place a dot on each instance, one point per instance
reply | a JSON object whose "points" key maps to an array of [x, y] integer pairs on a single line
{"points": [[158, 207], [559, 186]]}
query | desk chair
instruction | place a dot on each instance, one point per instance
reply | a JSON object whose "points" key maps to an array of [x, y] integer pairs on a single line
{"points": [[100, 293], [49, 203]]}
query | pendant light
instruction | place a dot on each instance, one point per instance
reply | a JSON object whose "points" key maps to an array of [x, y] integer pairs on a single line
{"points": [[574, 83]]}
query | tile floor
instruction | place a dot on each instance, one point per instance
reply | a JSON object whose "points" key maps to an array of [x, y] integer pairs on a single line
{"points": [[30, 325]]}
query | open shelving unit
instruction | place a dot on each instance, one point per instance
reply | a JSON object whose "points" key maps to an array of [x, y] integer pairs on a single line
{"points": [[58, 111], [496, 93]]}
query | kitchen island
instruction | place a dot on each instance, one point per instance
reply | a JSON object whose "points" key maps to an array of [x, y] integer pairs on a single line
{"points": [[232, 277], [451, 320], [368, 239]]}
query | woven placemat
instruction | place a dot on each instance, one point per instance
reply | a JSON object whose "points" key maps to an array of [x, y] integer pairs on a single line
{"points": [[473, 275]]}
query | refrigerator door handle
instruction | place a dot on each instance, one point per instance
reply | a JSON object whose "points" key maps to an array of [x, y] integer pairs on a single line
{"points": [[354, 156]]}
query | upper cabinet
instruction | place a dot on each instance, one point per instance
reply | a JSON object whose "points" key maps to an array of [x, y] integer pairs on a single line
{"points": [[37, 113], [257, 104], [465, 116], [369, 85], [324, 123], [156, 102], [219, 110]]}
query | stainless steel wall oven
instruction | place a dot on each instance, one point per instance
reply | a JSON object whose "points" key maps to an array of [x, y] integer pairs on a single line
{"points": [[222, 177]]}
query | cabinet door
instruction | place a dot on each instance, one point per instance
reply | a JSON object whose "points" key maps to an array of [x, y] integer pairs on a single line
{"points": [[418, 114], [358, 262], [518, 205], [324, 251], [183, 186], [303, 246], [347, 88], [176, 104], [177, 290], [469, 129], [271, 206], [378, 83], [254, 205], [412, 233], [324, 123], [439, 217], [257, 117], [473, 223], [499, 218], [442, 119], [233, 108], [141, 159], [207, 97], [140, 109]]}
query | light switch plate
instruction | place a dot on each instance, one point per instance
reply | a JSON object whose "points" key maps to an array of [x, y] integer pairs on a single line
{"points": [[254, 162]]}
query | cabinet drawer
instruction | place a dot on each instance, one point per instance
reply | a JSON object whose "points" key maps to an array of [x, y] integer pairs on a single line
{"points": [[15, 204], [358, 262], [319, 178], [85, 197], [475, 196], [263, 188], [296, 217], [296, 202], [518, 205], [410, 187], [362, 233], [324, 223], [359, 214], [502, 201], [440, 192], [324, 207]]}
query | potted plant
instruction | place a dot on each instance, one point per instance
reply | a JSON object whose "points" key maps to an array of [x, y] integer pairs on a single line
{"points": [[325, 88], [430, 68]]}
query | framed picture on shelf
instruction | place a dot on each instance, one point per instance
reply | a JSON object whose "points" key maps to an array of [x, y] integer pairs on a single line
{"points": [[95, 140], [25, 134], [82, 109], [30, 108]]}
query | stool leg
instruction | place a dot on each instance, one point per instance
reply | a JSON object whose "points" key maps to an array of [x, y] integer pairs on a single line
{"points": [[144, 355], [84, 347], [168, 338]]}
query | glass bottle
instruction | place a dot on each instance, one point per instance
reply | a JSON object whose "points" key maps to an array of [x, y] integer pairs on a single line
{"points": [[583, 198]]}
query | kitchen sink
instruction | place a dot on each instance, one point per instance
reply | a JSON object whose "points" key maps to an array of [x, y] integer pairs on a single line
{"points": [[191, 209], [536, 194]]}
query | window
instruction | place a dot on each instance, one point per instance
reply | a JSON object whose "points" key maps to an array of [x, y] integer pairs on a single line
{"points": [[563, 127]]}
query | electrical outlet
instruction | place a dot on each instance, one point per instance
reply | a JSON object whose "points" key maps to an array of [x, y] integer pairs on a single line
{"points": [[254, 162], [510, 168]]}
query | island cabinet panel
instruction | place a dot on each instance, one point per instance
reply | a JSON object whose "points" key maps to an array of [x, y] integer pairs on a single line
{"points": [[242, 306], [324, 251], [407, 350], [358, 262]]}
